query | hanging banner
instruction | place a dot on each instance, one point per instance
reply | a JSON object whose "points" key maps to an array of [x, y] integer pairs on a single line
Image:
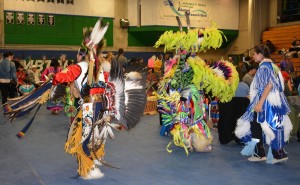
{"points": [[51, 20], [9, 16], [20, 18], [41, 19], [200, 10], [30, 19], [70, 2]]}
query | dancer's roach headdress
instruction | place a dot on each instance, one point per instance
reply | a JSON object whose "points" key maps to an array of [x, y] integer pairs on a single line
{"points": [[93, 42]]}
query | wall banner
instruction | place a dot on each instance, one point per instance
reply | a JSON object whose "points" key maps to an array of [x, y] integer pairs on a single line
{"points": [[51, 20], [20, 18], [200, 10], [30, 19], [9, 17], [41, 19]]}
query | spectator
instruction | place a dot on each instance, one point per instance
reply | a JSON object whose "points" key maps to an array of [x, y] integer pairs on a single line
{"points": [[248, 78], [81, 55], [294, 42], [51, 70], [121, 59], [7, 72], [286, 64], [230, 59], [242, 90], [118, 64], [21, 74], [246, 65], [54, 105], [295, 49], [288, 88], [109, 56], [158, 67], [63, 61], [270, 45], [27, 87], [151, 63], [36, 74]]}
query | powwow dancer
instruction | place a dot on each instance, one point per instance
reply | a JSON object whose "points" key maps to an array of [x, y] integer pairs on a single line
{"points": [[103, 95], [266, 118], [181, 90]]}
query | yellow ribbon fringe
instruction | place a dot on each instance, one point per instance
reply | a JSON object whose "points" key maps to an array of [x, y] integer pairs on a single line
{"points": [[45, 97]]}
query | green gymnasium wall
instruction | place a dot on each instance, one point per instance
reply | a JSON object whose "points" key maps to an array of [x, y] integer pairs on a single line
{"points": [[66, 31], [148, 35]]}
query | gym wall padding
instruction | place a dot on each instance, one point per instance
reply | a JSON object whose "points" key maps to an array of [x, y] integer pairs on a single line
{"points": [[66, 31]]}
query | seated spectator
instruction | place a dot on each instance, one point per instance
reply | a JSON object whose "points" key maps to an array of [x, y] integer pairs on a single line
{"points": [[295, 49], [294, 42], [286, 64], [37, 74], [27, 87], [248, 78], [270, 45], [242, 90], [21, 74]]}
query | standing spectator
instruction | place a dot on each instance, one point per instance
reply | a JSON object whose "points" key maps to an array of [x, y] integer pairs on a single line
{"points": [[119, 63], [151, 63], [250, 75], [109, 56], [267, 114], [158, 67], [230, 59], [81, 55], [246, 65], [288, 87], [7, 73]]}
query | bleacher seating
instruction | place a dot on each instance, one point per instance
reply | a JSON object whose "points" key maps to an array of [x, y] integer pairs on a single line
{"points": [[282, 37]]}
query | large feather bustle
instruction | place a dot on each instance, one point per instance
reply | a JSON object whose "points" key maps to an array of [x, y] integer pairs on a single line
{"points": [[130, 99]]}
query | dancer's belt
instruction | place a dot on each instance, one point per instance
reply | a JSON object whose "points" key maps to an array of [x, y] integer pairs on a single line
{"points": [[96, 98]]}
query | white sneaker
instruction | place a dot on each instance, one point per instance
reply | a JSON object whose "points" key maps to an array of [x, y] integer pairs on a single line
{"points": [[257, 159]]}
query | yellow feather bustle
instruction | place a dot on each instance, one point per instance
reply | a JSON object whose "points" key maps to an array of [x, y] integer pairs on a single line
{"points": [[220, 87]]}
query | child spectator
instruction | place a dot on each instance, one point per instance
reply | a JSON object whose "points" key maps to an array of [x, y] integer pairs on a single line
{"points": [[26, 87], [21, 74]]}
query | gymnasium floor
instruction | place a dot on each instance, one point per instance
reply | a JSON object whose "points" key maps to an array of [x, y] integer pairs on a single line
{"points": [[39, 159]]}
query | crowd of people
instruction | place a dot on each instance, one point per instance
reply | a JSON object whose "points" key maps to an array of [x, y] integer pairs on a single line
{"points": [[259, 91]]}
